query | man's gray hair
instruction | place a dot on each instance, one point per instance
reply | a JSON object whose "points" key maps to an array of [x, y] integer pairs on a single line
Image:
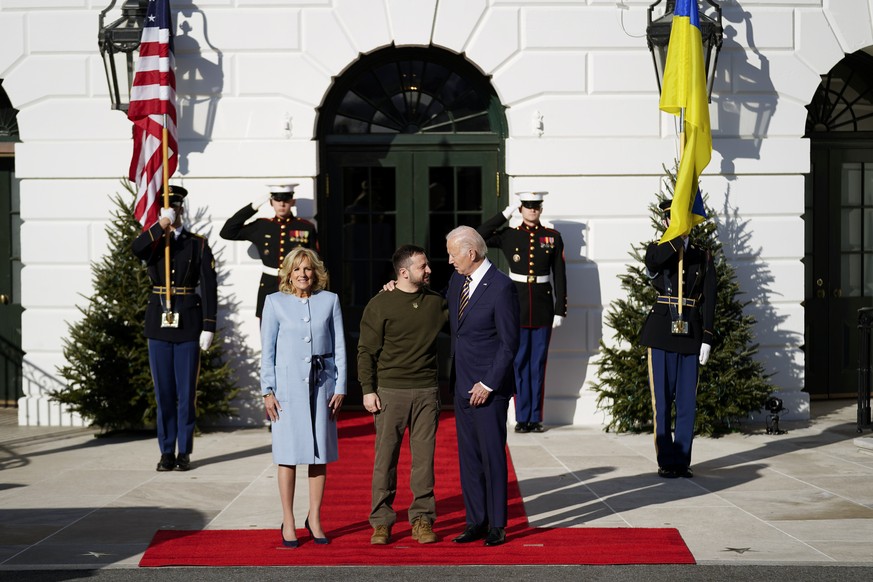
{"points": [[467, 238]]}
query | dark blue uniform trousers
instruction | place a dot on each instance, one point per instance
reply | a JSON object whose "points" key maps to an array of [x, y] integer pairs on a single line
{"points": [[530, 372], [673, 378], [482, 459], [175, 367]]}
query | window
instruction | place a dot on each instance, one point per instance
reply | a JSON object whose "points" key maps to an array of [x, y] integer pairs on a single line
{"points": [[409, 91], [844, 100]]}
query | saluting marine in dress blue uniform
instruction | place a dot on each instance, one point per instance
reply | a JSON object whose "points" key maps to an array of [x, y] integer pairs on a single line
{"points": [[536, 260], [174, 350], [273, 237]]}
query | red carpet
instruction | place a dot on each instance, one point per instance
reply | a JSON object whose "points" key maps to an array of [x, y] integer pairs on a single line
{"points": [[347, 497]]}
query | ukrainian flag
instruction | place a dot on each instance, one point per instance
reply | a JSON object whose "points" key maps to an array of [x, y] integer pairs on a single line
{"points": [[684, 87]]}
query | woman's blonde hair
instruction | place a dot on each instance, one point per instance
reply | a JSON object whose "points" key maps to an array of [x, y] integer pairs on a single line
{"points": [[292, 260]]}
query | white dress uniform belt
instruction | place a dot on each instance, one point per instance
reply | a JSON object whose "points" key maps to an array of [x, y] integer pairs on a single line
{"points": [[529, 278], [270, 270], [669, 300], [174, 290]]}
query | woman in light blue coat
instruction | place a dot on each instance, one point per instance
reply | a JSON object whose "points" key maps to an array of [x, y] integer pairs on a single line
{"points": [[303, 380]]}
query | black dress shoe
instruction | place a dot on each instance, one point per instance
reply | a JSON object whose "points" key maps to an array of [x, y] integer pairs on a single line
{"points": [[684, 472], [167, 462], [183, 462], [667, 473], [496, 536], [287, 543], [535, 427], [321, 541], [471, 534], [522, 427]]}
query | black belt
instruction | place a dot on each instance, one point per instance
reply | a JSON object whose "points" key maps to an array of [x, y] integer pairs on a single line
{"points": [[175, 290], [669, 300]]}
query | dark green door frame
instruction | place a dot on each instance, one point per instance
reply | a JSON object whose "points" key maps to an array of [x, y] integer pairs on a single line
{"points": [[11, 355]]}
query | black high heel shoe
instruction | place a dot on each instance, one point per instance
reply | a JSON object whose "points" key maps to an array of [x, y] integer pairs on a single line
{"points": [[322, 541], [287, 543]]}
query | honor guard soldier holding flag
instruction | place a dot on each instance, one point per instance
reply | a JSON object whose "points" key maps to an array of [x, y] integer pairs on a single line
{"points": [[273, 237], [536, 262], [179, 322], [678, 333]]}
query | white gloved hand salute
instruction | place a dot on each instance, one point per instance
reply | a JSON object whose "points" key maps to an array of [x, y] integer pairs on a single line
{"points": [[704, 353], [206, 339], [509, 211], [514, 203], [260, 200]]}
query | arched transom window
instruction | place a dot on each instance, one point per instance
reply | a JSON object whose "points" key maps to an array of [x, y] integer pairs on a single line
{"points": [[408, 91]]}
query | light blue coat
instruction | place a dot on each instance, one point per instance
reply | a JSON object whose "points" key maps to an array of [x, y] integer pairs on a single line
{"points": [[293, 331]]}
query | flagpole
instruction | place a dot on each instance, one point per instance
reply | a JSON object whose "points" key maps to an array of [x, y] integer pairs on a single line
{"points": [[153, 93], [166, 177], [681, 275]]}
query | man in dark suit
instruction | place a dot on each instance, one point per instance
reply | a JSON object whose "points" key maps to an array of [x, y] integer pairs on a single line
{"points": [[484, 323], [273, 237], [678, 332], [177, 330]]}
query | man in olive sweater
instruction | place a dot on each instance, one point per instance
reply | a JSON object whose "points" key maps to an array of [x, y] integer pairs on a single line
{"points": [[397, 368]]}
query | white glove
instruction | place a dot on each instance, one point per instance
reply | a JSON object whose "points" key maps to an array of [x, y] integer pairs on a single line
{"points": [[704, 353], [206, 339], [169, 214], [556, 323], [509, 211], [260, 200]]}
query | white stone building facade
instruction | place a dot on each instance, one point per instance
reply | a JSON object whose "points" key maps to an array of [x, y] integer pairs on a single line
{"points": [[575, 79]]}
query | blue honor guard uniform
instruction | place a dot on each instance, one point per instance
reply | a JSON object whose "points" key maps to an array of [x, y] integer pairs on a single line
{"points": [[674, 337], [173, 328]]}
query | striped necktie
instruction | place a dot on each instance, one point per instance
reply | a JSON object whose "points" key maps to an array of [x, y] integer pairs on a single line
{"points": [[465, 296]]}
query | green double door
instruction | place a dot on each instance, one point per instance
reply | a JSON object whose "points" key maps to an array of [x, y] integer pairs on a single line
{"points": [[373, 201], [839, 264]]}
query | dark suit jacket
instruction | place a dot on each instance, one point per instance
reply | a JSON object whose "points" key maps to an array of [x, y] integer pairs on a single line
{"points": [[192, 265], [484, 342], [662, 263]]}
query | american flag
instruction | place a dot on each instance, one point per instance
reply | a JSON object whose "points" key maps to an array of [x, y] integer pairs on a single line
{"points": [[152, 96]]}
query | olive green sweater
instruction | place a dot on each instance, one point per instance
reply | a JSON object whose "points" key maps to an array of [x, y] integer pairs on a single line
{"points": [[398, 343]]}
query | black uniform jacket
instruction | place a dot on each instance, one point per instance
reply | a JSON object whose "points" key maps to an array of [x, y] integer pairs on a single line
{"points": [[532, 252], [274, 238], [191, 265], [699, 293]]}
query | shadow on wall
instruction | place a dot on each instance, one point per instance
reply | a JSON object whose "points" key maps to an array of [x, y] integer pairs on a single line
{"points": [[778, 347], [576, 342], [746, 96], [238, 354], [199, 83]]}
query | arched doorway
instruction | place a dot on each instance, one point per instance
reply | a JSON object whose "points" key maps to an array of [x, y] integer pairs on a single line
{"points": [[839, 224], [11, 356], [411, 145]]}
